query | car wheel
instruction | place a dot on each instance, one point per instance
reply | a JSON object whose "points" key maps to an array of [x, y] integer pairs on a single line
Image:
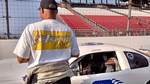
{"points": [[148, 82]]}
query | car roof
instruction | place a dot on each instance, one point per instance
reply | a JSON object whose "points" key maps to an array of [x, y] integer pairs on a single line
{"points": [[94, 47]]}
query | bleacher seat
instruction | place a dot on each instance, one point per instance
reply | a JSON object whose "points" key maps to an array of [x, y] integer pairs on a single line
{"points": [[116, 22], [75, 22], [107, 19]]}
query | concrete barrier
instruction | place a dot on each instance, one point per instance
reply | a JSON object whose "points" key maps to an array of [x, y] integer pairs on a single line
{"points": [[7, 46], [130, 41], [6, 49]]}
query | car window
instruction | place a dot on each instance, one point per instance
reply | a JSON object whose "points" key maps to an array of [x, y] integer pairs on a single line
{"points": [[94, 63], [136, 60], [146, 54]]}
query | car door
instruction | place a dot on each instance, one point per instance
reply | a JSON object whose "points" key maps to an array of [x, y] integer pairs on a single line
{"points": [[127, 75], [112, 77]]}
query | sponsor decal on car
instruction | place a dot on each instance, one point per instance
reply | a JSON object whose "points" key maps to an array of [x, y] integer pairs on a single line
{"points": [[109, 81], [90, 44]]}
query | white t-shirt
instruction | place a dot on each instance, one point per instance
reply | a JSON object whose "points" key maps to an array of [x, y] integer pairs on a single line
{"points": [[46, 41]]}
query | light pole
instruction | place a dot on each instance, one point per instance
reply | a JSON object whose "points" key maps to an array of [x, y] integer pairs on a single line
{"points": [[129, 17], [7, 19], [101, 2]]}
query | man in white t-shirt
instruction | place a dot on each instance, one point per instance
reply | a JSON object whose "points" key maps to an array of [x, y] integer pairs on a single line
{"points": [[46, 46]]}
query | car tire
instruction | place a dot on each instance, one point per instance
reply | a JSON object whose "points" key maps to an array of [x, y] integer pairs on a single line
{"points": [[148, 82]]}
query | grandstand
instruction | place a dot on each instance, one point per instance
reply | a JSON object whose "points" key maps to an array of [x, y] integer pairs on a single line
{"points": [[85, 17], [104, 20]]}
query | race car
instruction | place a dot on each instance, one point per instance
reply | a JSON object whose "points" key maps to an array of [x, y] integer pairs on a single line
{"points": [[98, 63], [102, 63]]}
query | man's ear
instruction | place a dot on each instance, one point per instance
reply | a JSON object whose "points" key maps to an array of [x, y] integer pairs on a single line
{"points": [[42, 10]]}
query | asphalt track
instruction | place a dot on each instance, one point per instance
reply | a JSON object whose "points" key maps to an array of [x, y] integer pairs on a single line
{"points": [[11, 72]]}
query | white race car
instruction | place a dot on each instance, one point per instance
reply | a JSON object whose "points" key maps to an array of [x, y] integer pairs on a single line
{"points": [[99, 63]]}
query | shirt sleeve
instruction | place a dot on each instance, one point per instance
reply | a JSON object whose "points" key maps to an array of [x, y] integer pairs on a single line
{"points": [[74, 45], [22, 48]]}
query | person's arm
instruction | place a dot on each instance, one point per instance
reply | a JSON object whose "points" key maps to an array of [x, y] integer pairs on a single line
{"points": [[22, 60], [22, 49]]}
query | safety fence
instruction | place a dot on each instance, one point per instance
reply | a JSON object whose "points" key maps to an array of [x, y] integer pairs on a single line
{"points": [[16, 14]]}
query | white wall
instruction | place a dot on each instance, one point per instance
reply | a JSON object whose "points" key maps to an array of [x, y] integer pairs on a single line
{"points": [[130, 41], [95, 11], [64, 11], [7, 46], [133, 12]]}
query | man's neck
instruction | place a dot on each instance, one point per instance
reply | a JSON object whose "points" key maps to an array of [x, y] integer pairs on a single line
{"points": [[48, 17]]}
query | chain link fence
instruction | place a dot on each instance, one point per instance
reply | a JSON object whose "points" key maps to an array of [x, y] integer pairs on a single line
{"points": [[16, 14]]}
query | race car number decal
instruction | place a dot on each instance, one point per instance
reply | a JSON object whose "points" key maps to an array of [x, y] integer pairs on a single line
{"points": [[109, 81], [94, 50]]}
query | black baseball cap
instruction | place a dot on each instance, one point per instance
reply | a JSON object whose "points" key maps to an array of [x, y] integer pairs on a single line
{"points": [[48, 4]]}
